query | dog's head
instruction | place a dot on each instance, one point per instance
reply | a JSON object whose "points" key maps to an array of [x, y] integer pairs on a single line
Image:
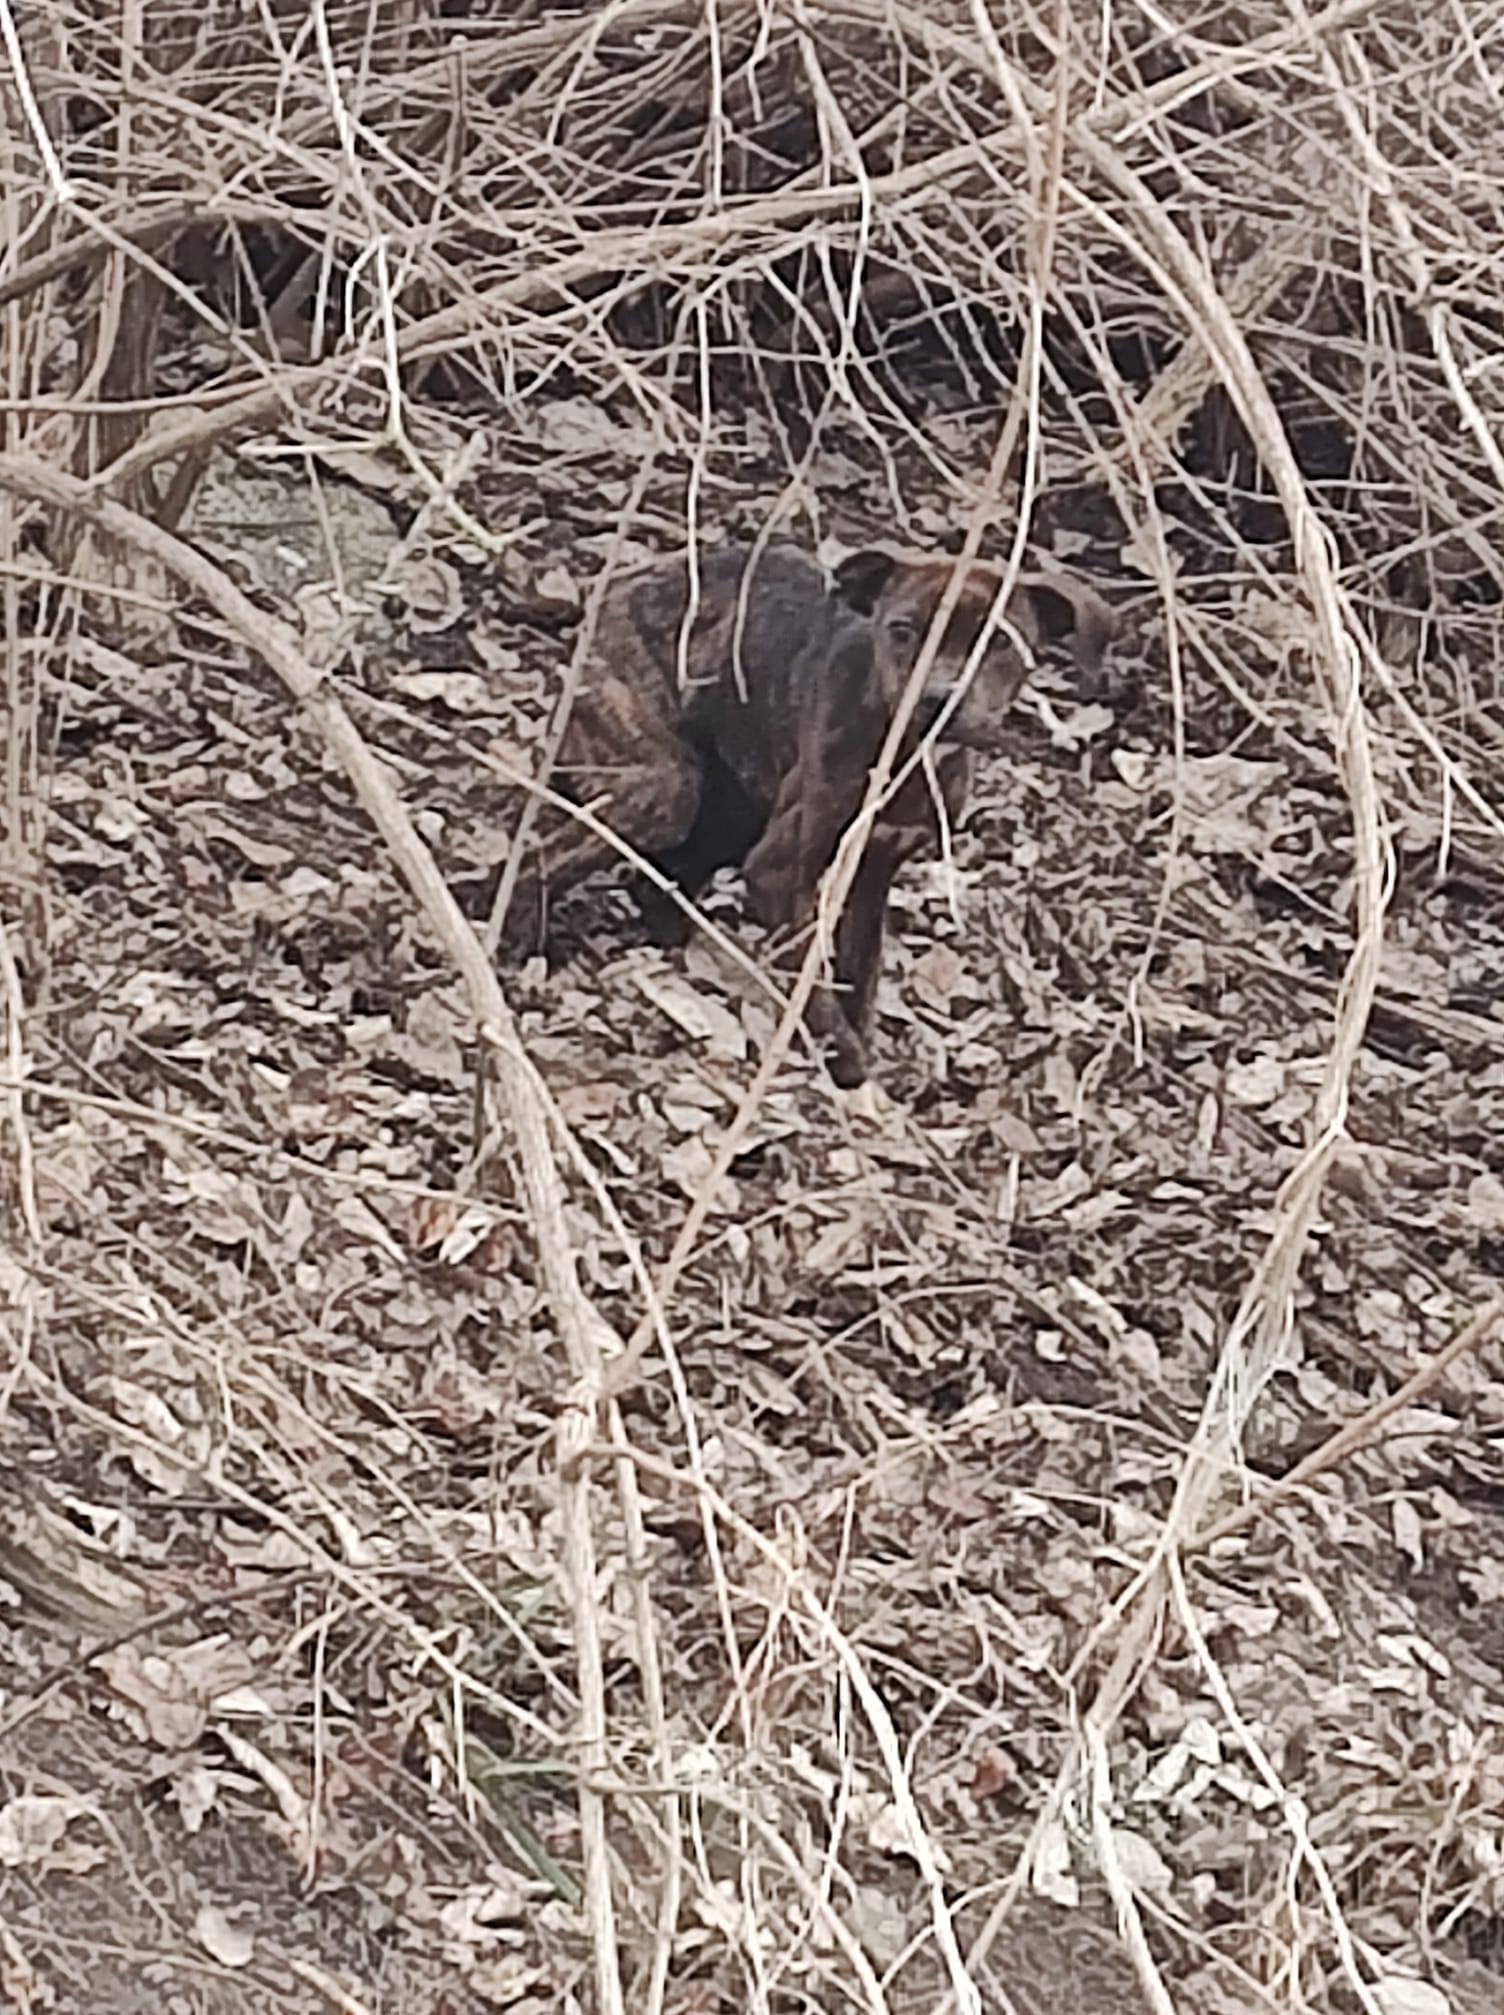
{"points": [[899, 594]]}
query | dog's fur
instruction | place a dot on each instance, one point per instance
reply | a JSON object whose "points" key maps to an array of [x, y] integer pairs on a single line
{"points": [[747, 739]]}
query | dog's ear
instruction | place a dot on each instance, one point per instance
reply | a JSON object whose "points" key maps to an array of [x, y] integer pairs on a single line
{"points": [[1061, 606], [861, 577]]}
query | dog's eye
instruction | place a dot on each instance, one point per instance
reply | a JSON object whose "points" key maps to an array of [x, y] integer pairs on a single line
{"points": [[902, 629]]}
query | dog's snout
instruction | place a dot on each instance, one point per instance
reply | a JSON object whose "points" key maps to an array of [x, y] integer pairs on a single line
{"points": [[932, 706]]}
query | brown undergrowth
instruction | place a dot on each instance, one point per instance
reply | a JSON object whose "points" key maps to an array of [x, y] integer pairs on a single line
{"points": [[519, 1494]]}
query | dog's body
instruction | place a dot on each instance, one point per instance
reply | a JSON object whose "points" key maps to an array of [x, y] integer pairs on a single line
{"points": [[744, 735]]}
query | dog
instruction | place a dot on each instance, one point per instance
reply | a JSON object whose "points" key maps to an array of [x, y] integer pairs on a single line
{"points": [[730, 715]]}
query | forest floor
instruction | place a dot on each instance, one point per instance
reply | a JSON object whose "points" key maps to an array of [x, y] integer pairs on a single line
{"points": [[300, 1732]]}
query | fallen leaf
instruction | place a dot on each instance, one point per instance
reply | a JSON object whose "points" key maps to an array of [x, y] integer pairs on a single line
{"points": [[1402, 1994], [938, 976], [461, 692], [221, 1939], [1256, 1083], [688, 1165], [1142, 1862], [169, 1695], [31, 1827], [706, 1020], [1484, 1209], [995, 1771]]}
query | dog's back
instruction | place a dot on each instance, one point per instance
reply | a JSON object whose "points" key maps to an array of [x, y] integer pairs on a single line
{"points": [[733, 675]]}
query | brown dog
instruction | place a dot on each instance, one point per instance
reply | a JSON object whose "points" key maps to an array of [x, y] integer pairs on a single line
{"points": [[742, 732]]}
